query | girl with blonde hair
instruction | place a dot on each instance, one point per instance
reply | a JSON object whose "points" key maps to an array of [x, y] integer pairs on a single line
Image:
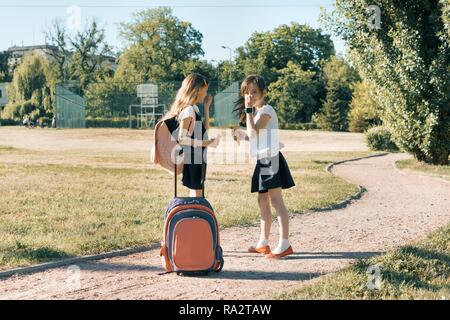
{"points": [[192, 134]]}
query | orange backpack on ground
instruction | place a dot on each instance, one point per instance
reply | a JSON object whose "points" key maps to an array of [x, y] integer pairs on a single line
{"points": [[190, 242]]}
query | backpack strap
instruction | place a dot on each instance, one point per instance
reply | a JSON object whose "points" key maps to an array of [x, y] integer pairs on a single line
{"points": [[154, 156], [172, 124]]}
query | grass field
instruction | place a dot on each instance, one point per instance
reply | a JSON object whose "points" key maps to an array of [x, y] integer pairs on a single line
{"points": [[67, 197], [436, 171], [420, 270]]}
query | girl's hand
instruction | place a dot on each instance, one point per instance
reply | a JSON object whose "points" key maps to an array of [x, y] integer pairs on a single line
{"points": [[235, 136], [248, 100], [251, 101], [215, 142], [207, 102], [238, 135]]}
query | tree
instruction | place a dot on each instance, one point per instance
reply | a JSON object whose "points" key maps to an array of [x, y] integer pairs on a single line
{"points": [[200, 66], [407, 59], [161, 49], [268, 52], [57, 37], [339, 77], [109, 97], [160, 45], [32, 89], [5, 75], [90, 51], [294, 95], [81, 57], [364, 109]]}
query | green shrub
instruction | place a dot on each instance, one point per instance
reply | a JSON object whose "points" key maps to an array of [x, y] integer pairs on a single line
{"points": [[44, 121], [8, 122], [307, 126], [299, 126], [12, 111], [380, 138], [98, 122], [16, 111], [364, 110]]}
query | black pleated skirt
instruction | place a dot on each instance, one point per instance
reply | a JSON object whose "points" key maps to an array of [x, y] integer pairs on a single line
{"points": [[194, 173], [271, 173]]}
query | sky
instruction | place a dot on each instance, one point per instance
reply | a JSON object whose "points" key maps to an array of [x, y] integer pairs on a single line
{"points": [[222, 23]]}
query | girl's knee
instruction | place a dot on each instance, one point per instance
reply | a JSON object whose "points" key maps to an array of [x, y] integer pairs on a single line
{"points": [[263, 198], [277, 200]]}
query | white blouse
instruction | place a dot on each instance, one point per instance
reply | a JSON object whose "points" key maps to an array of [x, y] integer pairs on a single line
{"points": [[267, 142]]}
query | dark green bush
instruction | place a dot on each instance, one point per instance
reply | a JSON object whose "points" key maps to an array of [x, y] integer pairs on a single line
{"points": [[107, 122], [8, 122], [380, 138]]}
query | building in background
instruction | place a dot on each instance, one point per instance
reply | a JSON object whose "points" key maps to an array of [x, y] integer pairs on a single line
{"points": [[17, 53]]}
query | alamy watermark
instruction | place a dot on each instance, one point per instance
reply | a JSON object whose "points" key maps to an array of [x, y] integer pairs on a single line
{"points": [[73, 21], [229, 151], [374, 279], [374, 19], [73, 280]]}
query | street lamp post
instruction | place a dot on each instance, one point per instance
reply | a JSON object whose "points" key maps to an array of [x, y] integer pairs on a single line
{"points": [[218, 74], [224, 47]]}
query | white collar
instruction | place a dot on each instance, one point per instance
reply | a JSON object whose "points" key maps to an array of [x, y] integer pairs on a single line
{"points": [[196, 108]]}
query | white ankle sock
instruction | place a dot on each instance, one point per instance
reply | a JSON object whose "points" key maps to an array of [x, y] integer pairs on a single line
{"points": [[262, 242], [283, 244]]}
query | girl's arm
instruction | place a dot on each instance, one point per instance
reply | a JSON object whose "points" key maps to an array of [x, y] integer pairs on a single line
{"points": [[188, 141], [259, 125], [252, 127], [206, 106], [206, 109]]}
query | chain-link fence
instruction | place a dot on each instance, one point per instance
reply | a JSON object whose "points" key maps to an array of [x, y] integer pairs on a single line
{"points": [[135, 105], [70, 109], [224, 104]]}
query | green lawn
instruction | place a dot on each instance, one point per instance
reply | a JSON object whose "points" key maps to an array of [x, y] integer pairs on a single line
{"points": [[436, 171], [420, 270], [51, 211]]}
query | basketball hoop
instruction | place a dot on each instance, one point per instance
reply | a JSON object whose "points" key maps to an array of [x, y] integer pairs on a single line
{"points": [[148, 113], [147, 90]]}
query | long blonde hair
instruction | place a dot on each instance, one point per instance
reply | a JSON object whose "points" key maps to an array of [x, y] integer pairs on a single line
{"points": [[187, 95]]}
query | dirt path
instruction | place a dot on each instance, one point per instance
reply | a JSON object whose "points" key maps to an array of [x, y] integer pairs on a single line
{"points": [[396, 209]]}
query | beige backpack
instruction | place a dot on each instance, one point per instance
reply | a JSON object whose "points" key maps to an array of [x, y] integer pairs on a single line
{"points": [[166, 150]]}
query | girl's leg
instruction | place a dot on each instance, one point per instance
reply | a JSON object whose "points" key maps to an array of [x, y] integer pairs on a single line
{"points": [[266, 216], [266, 221], [276, 199]]}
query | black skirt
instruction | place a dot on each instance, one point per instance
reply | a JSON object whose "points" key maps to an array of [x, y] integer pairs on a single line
{"points": [[194, 171], [271, 173]]}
